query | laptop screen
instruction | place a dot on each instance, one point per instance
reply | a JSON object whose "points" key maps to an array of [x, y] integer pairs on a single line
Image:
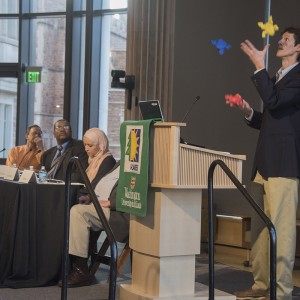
{"points": [[150, 109]]}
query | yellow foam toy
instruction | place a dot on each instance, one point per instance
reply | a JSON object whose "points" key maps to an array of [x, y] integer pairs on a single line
{"points": [[268, 28]]}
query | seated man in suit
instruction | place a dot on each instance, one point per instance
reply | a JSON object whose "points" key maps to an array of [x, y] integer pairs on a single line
{"points": [[29, 154], [56, 159]]}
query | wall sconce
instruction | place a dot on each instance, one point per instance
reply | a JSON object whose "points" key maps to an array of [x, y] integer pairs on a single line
{"points": [[127, 83]]}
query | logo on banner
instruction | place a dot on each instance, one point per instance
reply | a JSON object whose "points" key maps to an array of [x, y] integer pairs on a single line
{"points": [[132, 182], [133, 152]]}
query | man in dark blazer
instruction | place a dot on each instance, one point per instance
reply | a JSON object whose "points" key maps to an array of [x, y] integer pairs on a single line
{"points": [[276, 165], [56, 159]]}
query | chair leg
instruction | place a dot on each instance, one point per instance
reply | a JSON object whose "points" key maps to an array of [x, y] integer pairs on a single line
{"points": [[123, 257], [101, 257], [95, 265]]}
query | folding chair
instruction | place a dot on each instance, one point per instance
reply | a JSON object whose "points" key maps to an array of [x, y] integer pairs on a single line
{"points": [[101, 257], [119, 223]]}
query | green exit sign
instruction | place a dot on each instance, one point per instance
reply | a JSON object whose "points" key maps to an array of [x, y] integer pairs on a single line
{"points": [[33, 74]]}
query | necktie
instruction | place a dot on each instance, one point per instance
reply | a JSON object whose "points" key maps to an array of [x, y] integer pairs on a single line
{"points": [[55, 162], [278, 76], [57, 156]]}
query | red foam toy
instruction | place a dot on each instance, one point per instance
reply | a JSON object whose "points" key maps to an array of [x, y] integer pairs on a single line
{"points": [[236, 99]]}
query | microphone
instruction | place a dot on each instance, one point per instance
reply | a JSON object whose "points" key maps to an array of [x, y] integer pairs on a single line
{"points": [[2, 150], [37, 152], [182, 141], [34, 155], [190, 108], [24, 158]]}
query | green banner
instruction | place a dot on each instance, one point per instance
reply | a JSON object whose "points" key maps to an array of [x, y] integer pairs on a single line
{"points": [[134, 166]]}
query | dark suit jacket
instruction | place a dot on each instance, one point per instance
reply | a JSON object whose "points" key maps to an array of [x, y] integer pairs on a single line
{"points": [[74, 148], [118, 221], [278, 147]]}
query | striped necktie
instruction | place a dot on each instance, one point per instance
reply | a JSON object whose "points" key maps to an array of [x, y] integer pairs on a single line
{"points": [[55, 162]]}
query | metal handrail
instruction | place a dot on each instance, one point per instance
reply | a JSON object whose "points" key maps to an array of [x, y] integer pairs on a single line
{"points": [[266, 220], [104, 222]]}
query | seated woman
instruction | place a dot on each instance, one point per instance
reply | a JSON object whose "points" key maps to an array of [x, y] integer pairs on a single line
{"points": [[100, 159], [83, 216]]}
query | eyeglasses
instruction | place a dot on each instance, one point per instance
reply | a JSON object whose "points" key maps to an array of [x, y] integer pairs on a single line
{"points": [[65, 127]]}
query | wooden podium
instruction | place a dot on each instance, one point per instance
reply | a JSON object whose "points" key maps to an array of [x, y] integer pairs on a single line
{"points": [[164, 243]]}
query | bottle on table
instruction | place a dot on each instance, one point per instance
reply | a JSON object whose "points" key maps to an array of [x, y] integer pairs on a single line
{"points": [[43, 174]]}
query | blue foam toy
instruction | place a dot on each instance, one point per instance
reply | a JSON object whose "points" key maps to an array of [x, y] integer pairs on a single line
{"points": [[221, 45]]}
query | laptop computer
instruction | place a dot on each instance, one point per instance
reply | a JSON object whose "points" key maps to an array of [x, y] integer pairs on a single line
{"points": [[151, 110]]}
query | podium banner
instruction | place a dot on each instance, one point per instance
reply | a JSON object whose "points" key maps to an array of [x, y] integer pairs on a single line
{"points": [[134, 167]]}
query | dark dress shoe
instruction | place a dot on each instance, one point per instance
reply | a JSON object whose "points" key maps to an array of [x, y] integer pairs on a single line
{"points": [[78, 278]]}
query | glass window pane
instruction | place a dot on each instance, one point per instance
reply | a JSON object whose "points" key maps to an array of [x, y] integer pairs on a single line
{"points": [[47, 48], [114, 4], [8, 112], [38, 6], [78, 65], [79, 5], [9, 7], [9, 40], [113, 55]]}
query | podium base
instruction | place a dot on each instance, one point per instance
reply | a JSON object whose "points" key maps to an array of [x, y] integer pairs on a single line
{"points": [[127, 292]]}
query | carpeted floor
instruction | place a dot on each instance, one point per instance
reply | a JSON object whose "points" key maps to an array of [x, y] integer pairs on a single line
{"points": [[227, 279]]}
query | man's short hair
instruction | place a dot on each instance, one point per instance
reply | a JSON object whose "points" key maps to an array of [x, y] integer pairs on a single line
{"points": [[296, 32], [62, 120]]}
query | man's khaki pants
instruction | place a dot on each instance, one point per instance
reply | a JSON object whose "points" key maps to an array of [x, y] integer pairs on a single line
{"points": [[280, 205]]}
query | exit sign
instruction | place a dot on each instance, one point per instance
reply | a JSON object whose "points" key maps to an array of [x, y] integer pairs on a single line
{"points": [[33, 74]]}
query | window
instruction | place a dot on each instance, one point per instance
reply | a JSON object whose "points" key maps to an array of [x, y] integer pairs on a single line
{"points": [[8, 99], [75, 81], [114, 4], [115, 105], [108, 52], [47, 49], [46, 6], [9, 7], [9, 40]]}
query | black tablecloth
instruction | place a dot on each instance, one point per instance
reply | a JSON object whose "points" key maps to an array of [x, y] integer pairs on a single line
{"points": [[31, 233]]}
